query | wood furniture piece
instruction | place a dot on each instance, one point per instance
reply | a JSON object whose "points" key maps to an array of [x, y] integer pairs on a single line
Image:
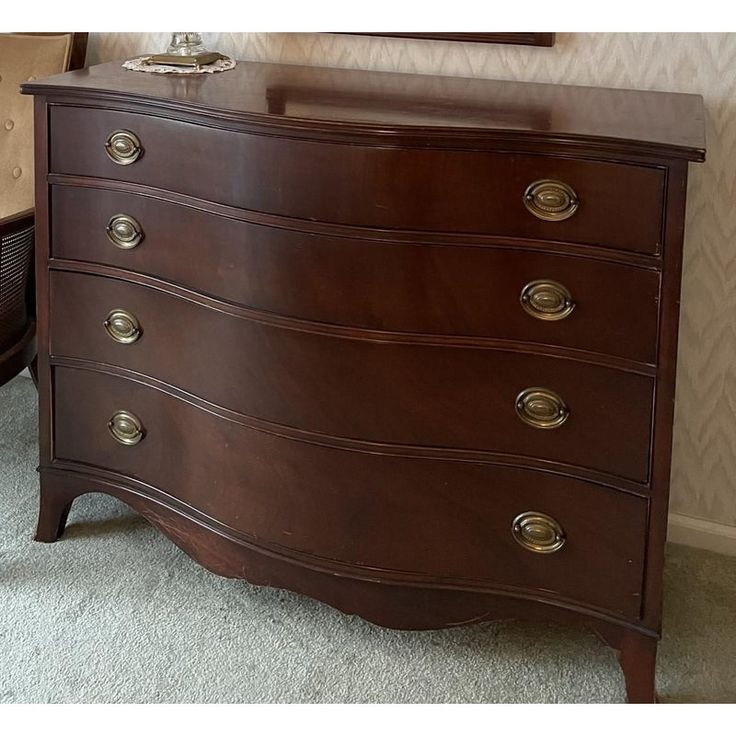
{"points": [[22, 57], [416, 360]]}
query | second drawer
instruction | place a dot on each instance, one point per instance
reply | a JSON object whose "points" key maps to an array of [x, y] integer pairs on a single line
{"points": [[460, 290], [467, 398]]}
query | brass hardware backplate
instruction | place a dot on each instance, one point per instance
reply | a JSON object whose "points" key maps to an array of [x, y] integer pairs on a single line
{"points": [[541, 408], [547, 300], [123, 147], [126, 428], [124, 232], [538, 532], [551, 200], [122, 326]]}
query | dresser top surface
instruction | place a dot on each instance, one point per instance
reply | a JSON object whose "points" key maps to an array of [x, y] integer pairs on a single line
{"points": [[385, 102]]}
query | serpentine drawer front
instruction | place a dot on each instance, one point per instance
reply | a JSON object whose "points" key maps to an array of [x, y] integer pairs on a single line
{"points": [[403, 344], [431, 287], [403, 188], [394, 391], [462, 512]]}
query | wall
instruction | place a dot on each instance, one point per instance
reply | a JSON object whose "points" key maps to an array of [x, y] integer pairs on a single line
{"points": [[704, 463]]}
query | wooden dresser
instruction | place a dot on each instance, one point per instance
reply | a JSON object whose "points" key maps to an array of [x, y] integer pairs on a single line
{"points": [[404, 344]]}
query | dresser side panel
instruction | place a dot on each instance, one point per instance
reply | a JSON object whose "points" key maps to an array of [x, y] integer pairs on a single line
{"points": [[43, 254], [665, 390]]}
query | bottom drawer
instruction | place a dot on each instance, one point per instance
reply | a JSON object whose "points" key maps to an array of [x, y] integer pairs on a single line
{"points": [[438, 520]]}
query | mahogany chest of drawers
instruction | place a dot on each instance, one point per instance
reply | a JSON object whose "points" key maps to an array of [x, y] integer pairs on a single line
{"points": [[404, 344]]}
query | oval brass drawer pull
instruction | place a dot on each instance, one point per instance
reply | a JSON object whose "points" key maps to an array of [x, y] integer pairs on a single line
{"points": [[122, 326], [126, 428], [538, 532], [547, 300], [124, 231], [541, 408], [123, 147], [551, 200]]}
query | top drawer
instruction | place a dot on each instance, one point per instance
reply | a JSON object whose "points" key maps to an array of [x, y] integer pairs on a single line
{"points": [[605, 204]]}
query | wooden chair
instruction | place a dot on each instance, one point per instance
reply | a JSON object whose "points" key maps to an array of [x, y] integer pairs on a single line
{"points": [[22, 56]]}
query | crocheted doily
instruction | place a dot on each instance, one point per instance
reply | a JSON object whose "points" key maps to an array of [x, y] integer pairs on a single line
{"points": [[140, 65]]}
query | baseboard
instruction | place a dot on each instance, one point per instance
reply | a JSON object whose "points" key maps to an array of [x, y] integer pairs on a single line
{"points": [[709, 535]]}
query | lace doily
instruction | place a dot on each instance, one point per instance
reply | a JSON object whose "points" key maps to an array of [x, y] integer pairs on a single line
{"points": [[141, 65]]}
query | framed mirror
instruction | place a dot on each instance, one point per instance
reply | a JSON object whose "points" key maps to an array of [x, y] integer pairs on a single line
{"points": [[525, 39]]}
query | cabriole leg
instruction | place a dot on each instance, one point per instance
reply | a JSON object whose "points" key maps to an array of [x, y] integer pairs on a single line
{"points": [[55, 502], [638, 658]]}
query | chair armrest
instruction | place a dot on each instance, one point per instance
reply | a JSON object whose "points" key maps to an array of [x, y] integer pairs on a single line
{"points": [[18, 336], [15, 222]]}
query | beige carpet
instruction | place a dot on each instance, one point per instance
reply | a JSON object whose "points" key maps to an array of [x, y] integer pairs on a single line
{"points": [[116, 613]]}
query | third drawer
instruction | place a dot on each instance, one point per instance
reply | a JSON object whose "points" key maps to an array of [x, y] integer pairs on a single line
{"points": [[349, 385]]}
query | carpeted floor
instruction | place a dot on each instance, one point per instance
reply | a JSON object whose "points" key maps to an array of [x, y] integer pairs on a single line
{"points": [[116, 613]]}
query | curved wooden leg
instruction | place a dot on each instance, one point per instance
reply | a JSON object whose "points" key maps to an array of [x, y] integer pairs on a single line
{"points": [[638, 658], [33, 370], [637, 654], [54, 505]]}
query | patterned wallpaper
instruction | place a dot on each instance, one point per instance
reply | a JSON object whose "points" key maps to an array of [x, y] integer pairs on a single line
{"points": [[704, 462]]}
